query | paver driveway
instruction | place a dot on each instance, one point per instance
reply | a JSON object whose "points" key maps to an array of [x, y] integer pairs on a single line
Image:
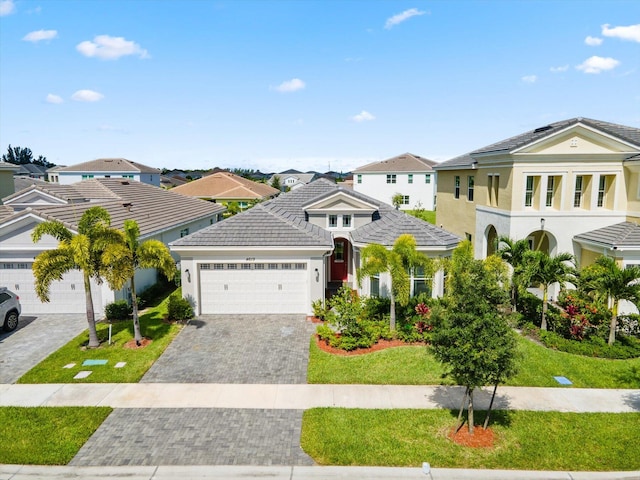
{"points": [[237, 349], [214, 349], [36, 337]]}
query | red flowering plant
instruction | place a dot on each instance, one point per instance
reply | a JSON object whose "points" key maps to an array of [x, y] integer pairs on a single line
{"points": [[423, 325], [582, 314]]}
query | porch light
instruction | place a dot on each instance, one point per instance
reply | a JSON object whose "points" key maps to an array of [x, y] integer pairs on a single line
{"points": [[542, 224], [317, 274], [188, 274]]}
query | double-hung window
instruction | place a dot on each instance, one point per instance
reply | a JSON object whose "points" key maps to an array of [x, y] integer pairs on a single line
{"points": [[577, 196], [333, 221], [456, 186], [470, 188], [551, 181], [391, 178], [528, 192], [410, 178], [602, 188]]}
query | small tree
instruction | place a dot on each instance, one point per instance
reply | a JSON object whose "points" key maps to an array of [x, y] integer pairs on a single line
{"points": [[397, 200], [513, 252], [608, 279], [275, 182], [81, 251], [125, 254], [471, 337], [545, 270], [398, 262]]}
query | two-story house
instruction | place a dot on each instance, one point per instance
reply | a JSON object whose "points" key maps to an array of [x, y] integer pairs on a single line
{"points": [[408, 175], [569, 186], [106, 168]]}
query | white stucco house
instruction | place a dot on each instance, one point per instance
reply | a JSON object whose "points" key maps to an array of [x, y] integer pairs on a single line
{"points": [[409, 175], [105, 168], [283, 254], [160, 214]]}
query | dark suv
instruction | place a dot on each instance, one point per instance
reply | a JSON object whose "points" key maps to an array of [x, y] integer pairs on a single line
{"points": [[9, 309]]}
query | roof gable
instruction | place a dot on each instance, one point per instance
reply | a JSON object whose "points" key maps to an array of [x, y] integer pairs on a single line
{"points": [[339, 201], [33, 197], [407, 162], [226, 185], [113, 165], [625, 235]]}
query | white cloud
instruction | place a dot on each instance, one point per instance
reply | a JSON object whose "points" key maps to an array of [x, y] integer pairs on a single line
{"points": [[563, 68], [363, 116], [7, 7], [631, 32], [530, 79], [598, 64], [87, 96], [110, 48], [593, 41], [40, 35], [51, 98], [401, 17], [292, 85]]}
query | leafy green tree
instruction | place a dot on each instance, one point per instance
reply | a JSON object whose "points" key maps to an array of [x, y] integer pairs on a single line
{"points": [[125, 254], [545, 270], [80, 251], [605, 277], [275, 182], [397, 200], [22, 156], [398, 262], [471, 337], [513, 252]]}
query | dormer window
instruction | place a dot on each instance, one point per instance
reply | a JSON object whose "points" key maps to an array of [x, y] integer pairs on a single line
{"points": [[333, 221]]}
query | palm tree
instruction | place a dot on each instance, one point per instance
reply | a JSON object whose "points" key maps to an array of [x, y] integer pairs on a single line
{"points": [[78, 251], [545, 270], [513, 252], [398, 262], [126, 254], [607, 278]]}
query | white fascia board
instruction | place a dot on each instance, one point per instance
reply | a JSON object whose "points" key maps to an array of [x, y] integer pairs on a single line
{"points": [[23, 193], [198, 250], [182, 224]]}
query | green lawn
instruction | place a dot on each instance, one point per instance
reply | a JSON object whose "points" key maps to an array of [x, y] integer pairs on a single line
{"points": [[426, 215], [524, 440], [46, 435], [416, 366], [138, 361]]}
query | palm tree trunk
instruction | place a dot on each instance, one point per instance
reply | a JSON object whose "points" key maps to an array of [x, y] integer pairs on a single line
{"points": [[614, 323], [91, 316], [470, 419], [134, 305], [392, 313], [543, 324]]}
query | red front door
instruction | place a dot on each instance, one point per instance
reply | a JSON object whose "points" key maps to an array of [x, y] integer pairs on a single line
{"points": [[340, 261]]}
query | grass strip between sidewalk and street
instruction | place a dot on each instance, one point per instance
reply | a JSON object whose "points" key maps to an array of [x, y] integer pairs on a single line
{"points": [[138, 360], [46, 435], [415, 365], [523, 440]]}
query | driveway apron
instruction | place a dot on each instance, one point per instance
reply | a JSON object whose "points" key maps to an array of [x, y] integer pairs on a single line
{"points": [[237, 349], [36, 337], [263, 349]]}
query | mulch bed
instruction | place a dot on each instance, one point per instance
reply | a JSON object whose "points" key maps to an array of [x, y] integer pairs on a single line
{"points": [[481, 438], [381, 345], [132, 343]]}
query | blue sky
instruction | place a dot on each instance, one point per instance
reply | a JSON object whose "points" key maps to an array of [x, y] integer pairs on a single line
{"points": [[311, 85]]}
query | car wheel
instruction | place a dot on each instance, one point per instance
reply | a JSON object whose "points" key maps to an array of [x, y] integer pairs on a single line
{"points": [[10, 322]]}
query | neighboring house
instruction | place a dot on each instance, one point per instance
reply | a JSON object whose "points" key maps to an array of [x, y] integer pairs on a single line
{"points": [[409, 175], [173, 181], [108, 168], [31, 170], [225, 187], [160, 214], [570, 186], [6, 178], [283, 254], [292, 179], [52, 173]]}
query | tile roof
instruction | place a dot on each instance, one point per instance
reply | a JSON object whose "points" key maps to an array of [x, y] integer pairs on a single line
{"points": [[70, 193], [282, 222], [625, 133], [154, 208], [406, 162], [620, 235], [226, 185], [109, 165]]}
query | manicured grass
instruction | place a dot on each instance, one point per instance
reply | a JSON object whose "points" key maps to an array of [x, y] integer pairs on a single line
{"points": [[46, 435], [138, 361], [524, 440], [426, 215], [417, 366]]}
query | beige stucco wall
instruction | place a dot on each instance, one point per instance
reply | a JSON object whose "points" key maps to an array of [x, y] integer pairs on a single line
{"points": [[457, 215]]}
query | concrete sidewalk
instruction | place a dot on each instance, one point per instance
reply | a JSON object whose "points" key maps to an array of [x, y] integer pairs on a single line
{"points": [[301, 397], [29, 472]]}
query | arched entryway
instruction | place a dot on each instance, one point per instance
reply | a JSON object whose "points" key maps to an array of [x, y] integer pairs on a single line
{"points": [[491, 239]]}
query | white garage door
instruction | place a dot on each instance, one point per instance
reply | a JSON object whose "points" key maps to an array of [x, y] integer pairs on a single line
{"points": [[254, 288], [67, 295]]}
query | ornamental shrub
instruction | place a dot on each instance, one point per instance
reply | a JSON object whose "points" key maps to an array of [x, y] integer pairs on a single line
{"points": [[118, 310], [179, 308], [625, 347]]}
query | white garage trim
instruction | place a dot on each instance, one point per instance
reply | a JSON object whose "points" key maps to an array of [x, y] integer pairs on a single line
{"points": [[248, 287]]}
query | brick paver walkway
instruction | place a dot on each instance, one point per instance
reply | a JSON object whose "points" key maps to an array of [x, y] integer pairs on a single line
{"points": [[237, 349], [196, 436]]}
